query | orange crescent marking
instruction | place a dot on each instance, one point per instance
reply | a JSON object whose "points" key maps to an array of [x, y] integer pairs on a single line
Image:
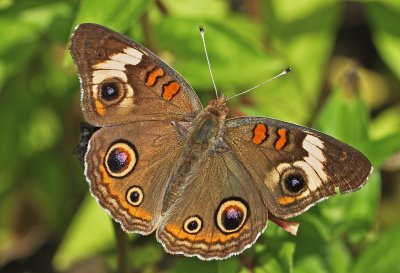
{"points": [[170, 90], [100, 108], [286, 200], [260, 133], [179, 233], [136, 212], [282, 139], [153, 76]]}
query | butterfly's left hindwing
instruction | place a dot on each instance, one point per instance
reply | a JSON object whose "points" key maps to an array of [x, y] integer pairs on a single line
{"points": [[293, 166], [127, 166]]}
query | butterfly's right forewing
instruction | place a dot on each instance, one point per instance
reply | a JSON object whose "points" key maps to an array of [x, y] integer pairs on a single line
{"points": [[294, 167]]}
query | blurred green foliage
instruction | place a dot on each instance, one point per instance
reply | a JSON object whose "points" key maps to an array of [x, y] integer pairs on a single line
{"points": [[345, 82]]}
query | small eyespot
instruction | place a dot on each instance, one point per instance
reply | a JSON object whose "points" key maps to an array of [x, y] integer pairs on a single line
{"points": [[109, 91], [193, 224], [231, 214], [120, 159], [135, 196]]}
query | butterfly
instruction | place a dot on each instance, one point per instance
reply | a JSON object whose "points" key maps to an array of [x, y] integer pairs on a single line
{"points": [[205, 183]]}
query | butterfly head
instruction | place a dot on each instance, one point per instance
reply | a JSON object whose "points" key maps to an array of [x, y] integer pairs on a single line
{"points": [[218, 107]]}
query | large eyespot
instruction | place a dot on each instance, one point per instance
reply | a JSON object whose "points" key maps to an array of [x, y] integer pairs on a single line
{"points": [[231, 214], [109, 91], [135, 196], [120, 159], [112, 91], [293, 181], [193, 224]]}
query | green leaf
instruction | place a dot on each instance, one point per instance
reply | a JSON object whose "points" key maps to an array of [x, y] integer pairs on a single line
{"points": [[146, 256], [23, 41], [327, 252], [90, 232], [338, 257], [312, 263], [275, 252], [383, 148], [286, 256], [385, 124], [303, 31], [345, 117], [352, 213], [118, 15], [385, 132], [206, 10], [230, 49], [382, 256], [383, 17]]}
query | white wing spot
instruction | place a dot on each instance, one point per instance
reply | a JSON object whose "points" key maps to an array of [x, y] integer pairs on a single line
{"points": [[315, 161], [134, 53], [110, 65], [100, 75]]}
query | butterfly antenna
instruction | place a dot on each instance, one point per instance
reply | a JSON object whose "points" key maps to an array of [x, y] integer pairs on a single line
{"points": [[208, 61], [284, 72]]}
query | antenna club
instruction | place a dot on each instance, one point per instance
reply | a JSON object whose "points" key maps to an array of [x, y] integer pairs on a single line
{"points": [[201, 29], [287, 70]]}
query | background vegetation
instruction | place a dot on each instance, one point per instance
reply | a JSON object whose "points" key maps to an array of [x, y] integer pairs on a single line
{"points": [[345, 56]]}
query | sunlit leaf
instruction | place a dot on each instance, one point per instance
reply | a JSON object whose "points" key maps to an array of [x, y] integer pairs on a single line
{"points": [[345, 117], [118, 15], [89, 234], [383, 18], [303, 34], [385, 124], [229, 48]]}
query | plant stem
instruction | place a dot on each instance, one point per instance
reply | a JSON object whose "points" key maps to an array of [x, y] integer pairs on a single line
{"points": [[122, 248]]}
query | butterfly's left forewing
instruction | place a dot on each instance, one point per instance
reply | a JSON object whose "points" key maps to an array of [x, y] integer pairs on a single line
{"points": [[122, 81], [294, 167]]}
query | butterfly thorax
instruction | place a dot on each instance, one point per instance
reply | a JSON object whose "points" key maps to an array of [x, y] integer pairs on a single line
{"points": [[203, 137]]}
